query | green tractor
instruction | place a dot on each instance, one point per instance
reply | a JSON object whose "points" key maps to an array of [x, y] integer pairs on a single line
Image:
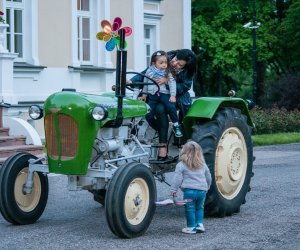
{"points": [[103, 145]]}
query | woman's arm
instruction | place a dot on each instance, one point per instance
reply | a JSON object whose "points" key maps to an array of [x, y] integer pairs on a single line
{"points": [[138, 78]]}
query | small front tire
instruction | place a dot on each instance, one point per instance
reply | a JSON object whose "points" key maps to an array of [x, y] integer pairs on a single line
{"points": [[130, 200], [16, 206]]}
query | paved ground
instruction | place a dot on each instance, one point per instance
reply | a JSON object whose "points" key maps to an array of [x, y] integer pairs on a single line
{"points": [[269, 219]]}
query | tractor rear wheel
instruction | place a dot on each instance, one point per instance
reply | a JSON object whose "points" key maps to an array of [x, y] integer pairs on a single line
{"points": [[130, 200], [228, 151]]}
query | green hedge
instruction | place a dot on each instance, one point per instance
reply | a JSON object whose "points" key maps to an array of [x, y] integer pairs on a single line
{"points": [[275, 120]]}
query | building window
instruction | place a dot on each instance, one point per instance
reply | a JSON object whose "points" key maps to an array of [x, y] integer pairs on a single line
{"points": [[22, 33], [15, 31], [84, 31], [150, 42]]}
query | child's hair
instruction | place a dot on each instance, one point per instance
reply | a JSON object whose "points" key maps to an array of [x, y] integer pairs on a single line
{"points": [[191, 155], [158, 53]]}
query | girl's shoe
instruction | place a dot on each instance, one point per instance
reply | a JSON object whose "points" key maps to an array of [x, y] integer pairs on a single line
{"points": [[200, 228], [177, 131], [189, 230]]}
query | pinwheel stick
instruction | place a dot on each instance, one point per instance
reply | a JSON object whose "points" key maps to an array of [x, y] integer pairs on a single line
{"points": [[121, 77]]}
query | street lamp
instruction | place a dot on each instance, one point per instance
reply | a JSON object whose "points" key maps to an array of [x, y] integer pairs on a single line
{"points": [[253, 25]]}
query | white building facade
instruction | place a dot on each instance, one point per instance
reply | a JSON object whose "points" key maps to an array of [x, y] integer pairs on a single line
{"points": [[51, 44]]}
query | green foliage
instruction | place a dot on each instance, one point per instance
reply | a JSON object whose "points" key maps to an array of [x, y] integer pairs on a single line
{"points": [[290, 36], [224, 46], [285, 91], [275, 120]]}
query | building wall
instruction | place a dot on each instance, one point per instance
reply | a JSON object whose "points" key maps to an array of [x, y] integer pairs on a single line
{"points": [[124, 9], [56, 44], [54, 33], [171, 25]]}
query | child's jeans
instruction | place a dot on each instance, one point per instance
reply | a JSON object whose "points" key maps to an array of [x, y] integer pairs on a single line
{"points": [[194, 210], [153, 100]]}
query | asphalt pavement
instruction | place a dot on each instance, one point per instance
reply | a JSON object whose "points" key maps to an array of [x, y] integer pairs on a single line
{"points": [[269, 219]]}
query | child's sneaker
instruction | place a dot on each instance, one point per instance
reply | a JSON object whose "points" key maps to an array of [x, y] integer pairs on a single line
{"points": [[177, 131], [200, 228], [189, 230]]}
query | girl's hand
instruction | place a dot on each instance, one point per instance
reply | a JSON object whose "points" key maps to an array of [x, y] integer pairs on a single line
{"points": [[172, 99], [163, 80], [142, 98]]}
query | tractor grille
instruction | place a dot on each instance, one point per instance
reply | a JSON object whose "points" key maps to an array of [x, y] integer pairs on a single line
{"points": [[63, 141]]}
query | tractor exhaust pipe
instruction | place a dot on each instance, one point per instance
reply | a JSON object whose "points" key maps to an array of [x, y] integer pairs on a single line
{"points": [[121, 77]]}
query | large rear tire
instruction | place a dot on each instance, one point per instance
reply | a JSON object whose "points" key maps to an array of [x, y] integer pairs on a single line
{"points": [[228, 151], [130, 200], [16, 206]]}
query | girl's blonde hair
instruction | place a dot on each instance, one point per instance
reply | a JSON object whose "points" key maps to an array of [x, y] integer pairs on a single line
{"points": [[191, 155]]}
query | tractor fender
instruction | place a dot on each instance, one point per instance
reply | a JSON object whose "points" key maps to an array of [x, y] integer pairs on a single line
{"points": [[206, 107]]}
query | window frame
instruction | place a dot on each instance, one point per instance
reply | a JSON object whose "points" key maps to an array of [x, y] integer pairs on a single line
{"points": [[99, 57], [149, 42], [29, 29], [153, 22], [83, 14], [12, 6]]}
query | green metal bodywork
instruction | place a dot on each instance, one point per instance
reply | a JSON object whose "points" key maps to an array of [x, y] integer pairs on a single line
{"points": [[79, 106], [206, 107]]}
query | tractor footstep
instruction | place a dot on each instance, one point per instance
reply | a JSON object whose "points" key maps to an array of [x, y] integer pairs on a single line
{"points": [[168, 160]]}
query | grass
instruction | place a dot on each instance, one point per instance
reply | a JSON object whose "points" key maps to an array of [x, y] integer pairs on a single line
{"points": [[280, 138]]}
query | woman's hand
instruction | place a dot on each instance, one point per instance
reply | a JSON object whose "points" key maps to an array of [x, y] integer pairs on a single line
{"points": [[142, 98], [172, 99], [163, 80]]}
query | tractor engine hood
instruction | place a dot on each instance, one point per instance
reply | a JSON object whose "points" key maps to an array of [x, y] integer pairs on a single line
{"points": [[70, 129], [81, 105]]}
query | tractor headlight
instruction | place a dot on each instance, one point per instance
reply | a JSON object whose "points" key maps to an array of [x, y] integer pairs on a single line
{"points": [[99, 113], [35, 112]]}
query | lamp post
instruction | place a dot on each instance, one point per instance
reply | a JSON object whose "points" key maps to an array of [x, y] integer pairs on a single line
{"points": [[254, 54], [253, 25]]}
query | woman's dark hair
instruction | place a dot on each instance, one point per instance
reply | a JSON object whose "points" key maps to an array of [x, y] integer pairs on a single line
{"points": [[191, 61]]}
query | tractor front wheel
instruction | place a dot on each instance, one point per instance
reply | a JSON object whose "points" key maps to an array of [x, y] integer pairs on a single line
{"points": [[130, 200], [16, 206]]}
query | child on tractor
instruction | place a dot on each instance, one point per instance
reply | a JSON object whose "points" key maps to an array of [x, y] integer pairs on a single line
{"points": [[160, 68]]}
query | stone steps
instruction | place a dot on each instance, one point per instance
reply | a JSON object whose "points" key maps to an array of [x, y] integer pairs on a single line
{"points": [[10, 145], [4, 131], [12, 140]]}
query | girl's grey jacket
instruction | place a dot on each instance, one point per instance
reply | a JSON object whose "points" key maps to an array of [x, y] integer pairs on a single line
{"points": [[199, 179], [169, 88]]}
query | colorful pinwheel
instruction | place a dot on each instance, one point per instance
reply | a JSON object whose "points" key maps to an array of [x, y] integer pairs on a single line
{"points": [[111, 33]]}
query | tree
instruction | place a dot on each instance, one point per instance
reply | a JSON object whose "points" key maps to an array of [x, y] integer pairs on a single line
{"points": [[217, 30]]}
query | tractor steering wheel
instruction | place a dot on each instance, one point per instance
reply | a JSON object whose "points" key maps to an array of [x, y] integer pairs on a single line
{"points": [[140, 85]]}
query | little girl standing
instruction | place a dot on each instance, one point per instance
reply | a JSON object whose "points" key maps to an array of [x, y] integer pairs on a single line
{"points": [[193, 177]]}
